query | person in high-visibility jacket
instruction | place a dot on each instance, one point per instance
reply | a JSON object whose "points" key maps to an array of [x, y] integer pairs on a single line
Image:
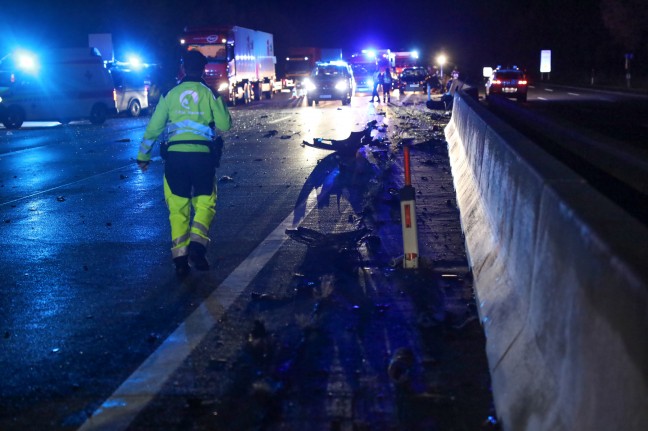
{"points": [[189, 114]]}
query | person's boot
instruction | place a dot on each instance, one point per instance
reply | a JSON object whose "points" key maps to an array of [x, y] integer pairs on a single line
{"points": [[197, 256], [181, 266]]}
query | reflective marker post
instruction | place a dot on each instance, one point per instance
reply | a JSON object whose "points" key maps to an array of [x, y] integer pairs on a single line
{"points": [[408, 216]]}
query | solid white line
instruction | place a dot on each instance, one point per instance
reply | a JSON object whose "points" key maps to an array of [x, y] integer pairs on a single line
{"points": [[118, 411], [280, 119]]}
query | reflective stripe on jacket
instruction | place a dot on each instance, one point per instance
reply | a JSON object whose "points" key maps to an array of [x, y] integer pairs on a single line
{"points": [[186, 113]]}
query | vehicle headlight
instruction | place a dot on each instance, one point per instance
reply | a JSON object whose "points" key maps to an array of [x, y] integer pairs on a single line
{"points": [[341, 85], [224, 86], [370, 82], [309, 85]]}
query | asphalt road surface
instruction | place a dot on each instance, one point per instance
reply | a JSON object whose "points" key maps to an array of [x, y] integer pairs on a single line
{"points": [[89, 296]]}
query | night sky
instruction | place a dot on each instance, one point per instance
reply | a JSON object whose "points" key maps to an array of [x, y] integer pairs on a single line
{"points": [[472, 32]]}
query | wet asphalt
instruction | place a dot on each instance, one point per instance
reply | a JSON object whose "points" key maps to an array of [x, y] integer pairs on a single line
{"points": [[320, 328]]}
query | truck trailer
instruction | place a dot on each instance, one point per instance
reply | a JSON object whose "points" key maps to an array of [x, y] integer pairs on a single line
{"points": [[241, 61]]}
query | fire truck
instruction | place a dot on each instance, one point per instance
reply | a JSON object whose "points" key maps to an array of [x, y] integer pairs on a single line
{"points": [[240, 61], [403, 59], [364, 65]]}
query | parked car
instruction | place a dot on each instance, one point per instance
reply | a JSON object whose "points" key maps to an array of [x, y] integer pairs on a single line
{"points": [[413, 79], [131, 91], [510, 82], [330, 81]]}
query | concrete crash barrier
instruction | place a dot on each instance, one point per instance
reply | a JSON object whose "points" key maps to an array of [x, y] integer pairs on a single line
{"points": [[561, 278]]}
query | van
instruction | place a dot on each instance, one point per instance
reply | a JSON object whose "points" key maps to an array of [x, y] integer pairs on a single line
{"points": [[131, 91], [61, 85]]}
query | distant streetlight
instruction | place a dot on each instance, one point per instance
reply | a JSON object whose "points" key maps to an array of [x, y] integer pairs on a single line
{"points": [[441, 60]]}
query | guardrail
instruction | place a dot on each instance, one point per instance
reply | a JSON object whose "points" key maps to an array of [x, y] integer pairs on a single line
{"points": [[561, 278]]}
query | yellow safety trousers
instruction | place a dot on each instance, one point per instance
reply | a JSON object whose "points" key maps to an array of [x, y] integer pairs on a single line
{"points": [[183, 230]]}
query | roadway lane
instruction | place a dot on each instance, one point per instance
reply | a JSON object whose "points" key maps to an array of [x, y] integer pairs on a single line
{"points": [[88, 287], [620, 116], [598, 134]]}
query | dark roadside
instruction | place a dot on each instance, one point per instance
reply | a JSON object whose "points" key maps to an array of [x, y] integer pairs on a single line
{"points": [[337, 335]]}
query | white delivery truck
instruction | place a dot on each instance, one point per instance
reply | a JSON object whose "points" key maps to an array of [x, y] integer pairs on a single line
{"points": [[57, 85], [241, 61]]}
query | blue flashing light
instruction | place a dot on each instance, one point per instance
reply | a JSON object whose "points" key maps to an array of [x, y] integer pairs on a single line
{"points": [[135, 62], [26, 61], [369, 53], [337, 63], [415, 54]]}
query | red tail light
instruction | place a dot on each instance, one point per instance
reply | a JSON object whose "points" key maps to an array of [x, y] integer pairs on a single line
{"points": [[497, 82], [522, 82]]}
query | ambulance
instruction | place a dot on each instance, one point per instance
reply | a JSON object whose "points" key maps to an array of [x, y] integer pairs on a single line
{"points": [[59, 85]]}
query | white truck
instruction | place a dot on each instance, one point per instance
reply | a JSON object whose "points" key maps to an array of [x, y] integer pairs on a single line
{"points": [[241, 61]]}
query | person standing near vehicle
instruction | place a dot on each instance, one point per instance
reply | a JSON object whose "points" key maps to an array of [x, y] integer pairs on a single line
{"points": [[189, 113], [387, 85], [377, 81]]}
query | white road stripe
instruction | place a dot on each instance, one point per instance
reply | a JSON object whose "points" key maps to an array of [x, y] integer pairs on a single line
{"points": [[542, 98], [279, 119], [573, 94], [550, 90], [118, 411]]}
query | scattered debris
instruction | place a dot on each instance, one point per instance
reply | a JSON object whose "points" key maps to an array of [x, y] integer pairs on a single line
{"points": [[340, 240]]}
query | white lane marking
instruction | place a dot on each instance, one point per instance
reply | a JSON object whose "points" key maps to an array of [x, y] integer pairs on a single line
{"points": [[119, 410], [279, 119], [542, 98], [550, 90], [573, 94]]}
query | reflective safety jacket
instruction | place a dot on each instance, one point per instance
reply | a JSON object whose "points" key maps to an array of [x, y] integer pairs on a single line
{"points": [[188, 112]]}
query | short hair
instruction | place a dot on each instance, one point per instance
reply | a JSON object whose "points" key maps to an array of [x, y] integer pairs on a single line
{"points": [[194, 63]]}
